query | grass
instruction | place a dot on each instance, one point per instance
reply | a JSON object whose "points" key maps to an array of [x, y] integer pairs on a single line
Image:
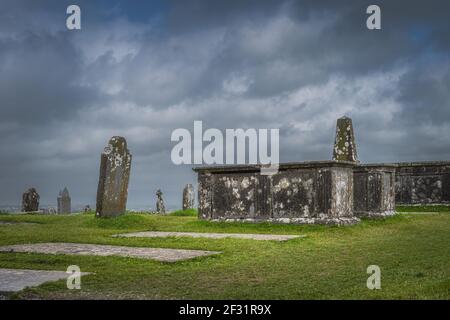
{"points": [[330, 263], [185, 213]]}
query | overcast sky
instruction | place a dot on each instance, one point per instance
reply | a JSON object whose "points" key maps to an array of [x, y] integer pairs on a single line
{"points": [[142, 70]]}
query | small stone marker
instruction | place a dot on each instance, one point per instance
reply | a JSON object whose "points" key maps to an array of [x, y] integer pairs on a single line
{"points": [[188, 197], [344, 145], [160, 207], [163, 234], [115, 168], [159, 254], [30, 200], [64, 201]]}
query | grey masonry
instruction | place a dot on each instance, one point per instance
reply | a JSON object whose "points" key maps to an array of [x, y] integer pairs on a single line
{"points": [[188, 197], [332, 192], [374, 190], [303, 192], [115, 166], [326, 192], [422, 182], [64, 201], [30, 200]]}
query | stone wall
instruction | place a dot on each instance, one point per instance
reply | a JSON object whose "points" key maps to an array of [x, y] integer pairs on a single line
{"points": [[422, 182], [330, 192], [305, 192], [374, 190]]}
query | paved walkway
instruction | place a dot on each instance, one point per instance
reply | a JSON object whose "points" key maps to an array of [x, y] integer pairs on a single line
{"points": [[12, 280], [14, 223], [161, 234], [159, 254]]}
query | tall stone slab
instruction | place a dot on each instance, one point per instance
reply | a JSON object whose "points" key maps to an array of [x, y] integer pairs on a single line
{"points": [[188, 197], [344, 144], [30, 200], [115, 168], [64, 202], [160, 207]]}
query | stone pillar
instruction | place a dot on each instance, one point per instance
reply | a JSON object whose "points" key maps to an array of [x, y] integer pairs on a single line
{"points": [[344, 144], [160, 207], [188, 197], [64, 202], [115, 168], [374, 190], [30, 200]]}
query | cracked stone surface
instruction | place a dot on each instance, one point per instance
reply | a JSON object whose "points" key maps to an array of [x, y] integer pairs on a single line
{"points": [[13, 280], [159, 254], [161, 234]]}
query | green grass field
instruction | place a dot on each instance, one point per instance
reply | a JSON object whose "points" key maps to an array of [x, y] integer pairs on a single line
{"points": [[413, 252]]}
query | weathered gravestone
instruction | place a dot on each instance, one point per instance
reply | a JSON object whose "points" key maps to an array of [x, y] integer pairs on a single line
{"points": [[344, 145], [188, 197], [160, 207], [115, 168], [30, 200], [64, 205]]}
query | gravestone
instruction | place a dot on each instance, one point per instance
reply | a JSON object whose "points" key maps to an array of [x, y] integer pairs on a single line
{"points": [[160, 207], [344, 145], [188, 197], [30, 200], [115, 168], [64, 201]]}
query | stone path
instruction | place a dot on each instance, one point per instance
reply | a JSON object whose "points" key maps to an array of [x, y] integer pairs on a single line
{"points": [[12, 280], [161, 234], [159, 254], [7, 223]]}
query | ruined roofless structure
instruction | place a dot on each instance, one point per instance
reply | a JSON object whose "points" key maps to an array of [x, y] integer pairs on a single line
{"points": [[339, 191]]}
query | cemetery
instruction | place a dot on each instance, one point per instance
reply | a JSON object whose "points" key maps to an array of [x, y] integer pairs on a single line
{"points": [[308, 231]]}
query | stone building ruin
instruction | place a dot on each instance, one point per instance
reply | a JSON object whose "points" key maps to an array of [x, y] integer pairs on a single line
{"points": [[339, 191]]}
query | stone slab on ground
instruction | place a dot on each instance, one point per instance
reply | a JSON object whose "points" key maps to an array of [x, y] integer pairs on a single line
{"points": [[162, 234], [13, 280], [8, 223], [159, 254]]}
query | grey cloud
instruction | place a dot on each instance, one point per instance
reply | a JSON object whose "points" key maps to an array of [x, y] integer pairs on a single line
{"points": [[293, 65]]}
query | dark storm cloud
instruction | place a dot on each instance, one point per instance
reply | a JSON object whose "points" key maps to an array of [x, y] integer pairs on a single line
{"points": [[142, 70], [38, 79]]}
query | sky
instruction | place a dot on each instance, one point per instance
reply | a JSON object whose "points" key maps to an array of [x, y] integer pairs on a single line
{"points": [[143, 69]]}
